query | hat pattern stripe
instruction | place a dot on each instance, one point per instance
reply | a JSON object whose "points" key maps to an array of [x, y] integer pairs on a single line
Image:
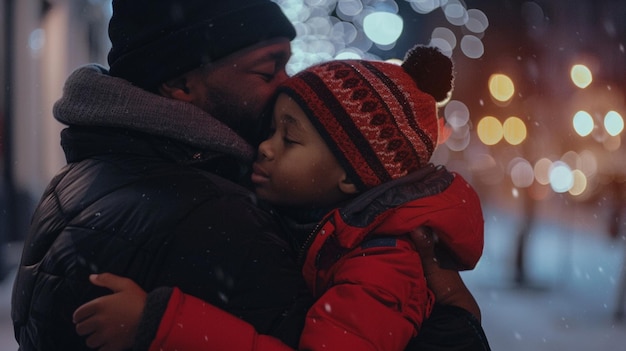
{"points": [[402, 117], [338, 129], [408, 110]]}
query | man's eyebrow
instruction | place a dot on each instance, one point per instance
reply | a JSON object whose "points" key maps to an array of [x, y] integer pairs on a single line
{"points": [[279, 54]]}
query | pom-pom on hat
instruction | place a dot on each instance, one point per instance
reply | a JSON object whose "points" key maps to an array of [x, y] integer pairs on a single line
{"points": [[378, 118], [156, 40]]}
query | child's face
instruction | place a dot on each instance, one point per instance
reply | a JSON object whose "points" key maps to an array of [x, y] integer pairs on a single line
{"points": [[294, 166]]}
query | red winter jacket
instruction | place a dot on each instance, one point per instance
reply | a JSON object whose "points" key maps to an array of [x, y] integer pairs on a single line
{"points": [[363, 270]]}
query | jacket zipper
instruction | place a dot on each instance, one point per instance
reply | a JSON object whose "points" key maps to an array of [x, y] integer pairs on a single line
{"points": [[309, 240]]}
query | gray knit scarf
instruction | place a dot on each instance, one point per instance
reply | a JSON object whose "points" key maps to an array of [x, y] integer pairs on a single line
{"points": [[91, 97]]}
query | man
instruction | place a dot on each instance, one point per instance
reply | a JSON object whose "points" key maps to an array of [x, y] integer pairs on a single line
{"points": [[149, 188], [155, 149]]}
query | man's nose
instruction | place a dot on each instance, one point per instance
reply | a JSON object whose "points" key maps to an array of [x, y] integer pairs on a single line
{"points": [[281, 76]]}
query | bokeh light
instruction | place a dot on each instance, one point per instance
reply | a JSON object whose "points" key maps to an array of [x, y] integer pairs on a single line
{"points": [[580, 183], [583, 123], [477, 21], [36, 41], [542, 171], [472, 47], [383, 28], [456, 113], [613, 123], [455, 13], [424, 6], [349, 8], [514, 130], [521, 172], [459, 139], [581, 76], [561, 177], [501, 87], [489, 130], [444, 39]]}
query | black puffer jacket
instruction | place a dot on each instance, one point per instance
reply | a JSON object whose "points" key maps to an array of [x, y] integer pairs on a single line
{"points": [[144, 201]]}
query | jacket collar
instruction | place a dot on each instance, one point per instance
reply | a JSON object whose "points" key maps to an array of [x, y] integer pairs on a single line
{"points": [[427, 181], [81, 143], [93, 98]]}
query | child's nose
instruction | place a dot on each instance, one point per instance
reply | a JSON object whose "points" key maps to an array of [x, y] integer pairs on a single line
{"points": [[265, 150]]}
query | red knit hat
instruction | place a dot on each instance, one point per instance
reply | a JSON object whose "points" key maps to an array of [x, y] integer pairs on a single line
{"points": [[379, 119]]}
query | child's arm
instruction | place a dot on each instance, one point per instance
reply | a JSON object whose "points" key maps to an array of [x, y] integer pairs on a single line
{"points": [[111, 321], [191, 324], [378, 299], [187, 323]]}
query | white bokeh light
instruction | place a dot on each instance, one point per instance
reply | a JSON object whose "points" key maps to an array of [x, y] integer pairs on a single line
{"points": [[583, 123], [472, 47], [425, 6], [36, 40], [442, 45], [455, 13], [445, 34], [383, 28], [477, 21], [613, 123], [349, 8], [521, 171], [561, 177], [457, 114]]}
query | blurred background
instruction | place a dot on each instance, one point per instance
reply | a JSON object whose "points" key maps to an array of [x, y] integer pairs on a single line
{"points": [[535, 123]]}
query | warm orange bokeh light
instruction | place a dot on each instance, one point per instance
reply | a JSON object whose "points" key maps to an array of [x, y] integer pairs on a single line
{"points": [[501, 87], [489, 130], [514, 130]]}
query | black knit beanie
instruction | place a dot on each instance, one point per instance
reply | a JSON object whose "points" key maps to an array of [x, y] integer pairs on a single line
{"points": [[156, 40]]}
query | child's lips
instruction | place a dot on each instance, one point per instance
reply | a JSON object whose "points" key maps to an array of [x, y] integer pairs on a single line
{"points": [[259, 175]]}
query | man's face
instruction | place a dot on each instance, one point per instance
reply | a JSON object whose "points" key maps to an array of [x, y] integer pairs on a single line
{"points": [[237, 88]]}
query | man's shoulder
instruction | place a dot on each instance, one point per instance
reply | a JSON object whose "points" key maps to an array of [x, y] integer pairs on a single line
{"points": [[149, 177]]}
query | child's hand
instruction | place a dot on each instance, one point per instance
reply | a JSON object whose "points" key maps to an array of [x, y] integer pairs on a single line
{"points": [[111, 321]]}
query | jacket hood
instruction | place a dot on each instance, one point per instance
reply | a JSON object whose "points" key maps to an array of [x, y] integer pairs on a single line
{"points": [[431, 197], [93, 98]]}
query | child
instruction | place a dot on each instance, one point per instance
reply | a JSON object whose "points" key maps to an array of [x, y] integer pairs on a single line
{"points": [[346, 166]]}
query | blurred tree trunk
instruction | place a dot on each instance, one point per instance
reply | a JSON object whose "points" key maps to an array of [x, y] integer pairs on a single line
{"points": [[523, 235]]}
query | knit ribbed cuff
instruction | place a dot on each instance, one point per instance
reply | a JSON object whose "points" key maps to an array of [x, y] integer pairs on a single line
{"points": [[156, 304]]}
